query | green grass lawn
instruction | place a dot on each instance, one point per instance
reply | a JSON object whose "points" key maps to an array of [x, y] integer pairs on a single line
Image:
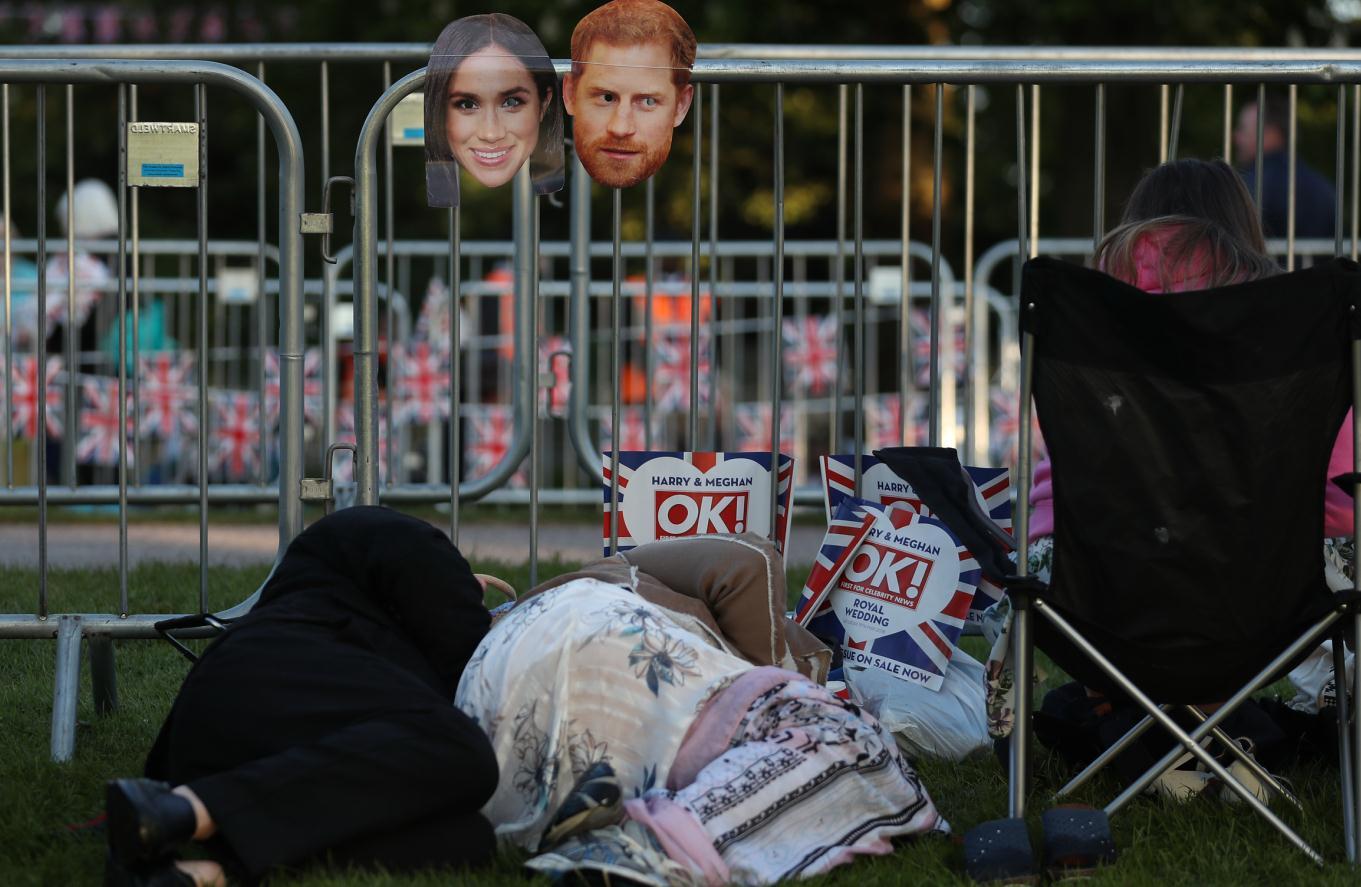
{"points": [[1205, 842]]}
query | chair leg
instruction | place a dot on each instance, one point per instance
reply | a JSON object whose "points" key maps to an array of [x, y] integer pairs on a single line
{"points": [[1189, 744], [66, 688], [1247, 760], [1019, 751], [1106, 757], [1344, 746]]}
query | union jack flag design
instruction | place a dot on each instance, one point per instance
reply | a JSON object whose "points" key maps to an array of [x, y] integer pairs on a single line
{"points": [[754, 422], [311, 386], [631, 419], [168, 395], [725, 493], [234, 433], [24, 379], [671, 386], [98, 444], [557, 366], [422, 383], [883, 421], [855, 573], [810, 353], [879, 484], [919, 322], [1004, 438], [487, 439], [435, 323]]}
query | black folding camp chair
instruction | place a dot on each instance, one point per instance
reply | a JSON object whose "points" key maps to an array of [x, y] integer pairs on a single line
{"points": [[1189, 436]]}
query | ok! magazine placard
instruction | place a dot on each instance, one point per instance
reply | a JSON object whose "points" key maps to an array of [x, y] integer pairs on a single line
{"points": [[878, 483], [667, 495], [893, 588]]}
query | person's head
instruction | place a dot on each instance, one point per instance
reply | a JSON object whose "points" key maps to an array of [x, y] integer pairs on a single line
{"points": [[491, 102], [629, 88], [1275, 123], [95, 210], [1208, 225]]}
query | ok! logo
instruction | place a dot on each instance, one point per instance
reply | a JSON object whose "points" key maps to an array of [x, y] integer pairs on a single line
{"points": [[700, 512], [896, 575]]}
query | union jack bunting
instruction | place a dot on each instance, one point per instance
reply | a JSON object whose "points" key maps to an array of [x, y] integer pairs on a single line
{"points": [[487, 438], [311, 386], [668, 494], [435, 323], [422, 383], [671, 385], [754, 422], [883, 421], [98, 444], [879, 484], [890, 602], [919, 321], [342, 469], [553, 364], [25, 398], [810, 353], [234, 434], [634, 435], [1004, 434], [168, 395]]}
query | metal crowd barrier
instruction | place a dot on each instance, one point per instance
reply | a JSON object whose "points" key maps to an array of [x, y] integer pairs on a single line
{"points": [[1170, 72], [100, 629]]}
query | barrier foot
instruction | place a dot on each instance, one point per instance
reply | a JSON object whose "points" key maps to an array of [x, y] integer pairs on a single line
{"points": [[66, 688], [103, 676]]}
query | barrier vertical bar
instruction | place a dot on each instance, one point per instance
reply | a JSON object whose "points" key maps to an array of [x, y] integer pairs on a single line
{"points": [[1018, 762], [858, 280], [389, 237], [616, 361], [1163, 101], [579, 321], [136, 271], [1356, 187], [1339, 172], [839, 271], [1257, 158], [527, 297], [261, 315], [905, 278], [122, 352], [455, 367], [973, 419], [777, 338], [201, 194], [9, 287], [1227, 150], [66, 688], [649, 310], [697, 112], [71, 336], [40, 346], [1290, 153], [933, 420], [713, 260], [1099, 171], [1034, 168], [1175, 137], [323, 433]]}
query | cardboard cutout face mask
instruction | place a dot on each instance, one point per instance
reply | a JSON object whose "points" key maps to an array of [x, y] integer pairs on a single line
{"points": [[491, 105], [629, 88]]}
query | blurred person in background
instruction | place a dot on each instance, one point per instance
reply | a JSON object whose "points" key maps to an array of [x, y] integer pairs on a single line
{"points": [[1315, 198]]}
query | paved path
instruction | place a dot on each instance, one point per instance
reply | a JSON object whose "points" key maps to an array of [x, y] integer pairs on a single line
{"points": [[86, 545]]}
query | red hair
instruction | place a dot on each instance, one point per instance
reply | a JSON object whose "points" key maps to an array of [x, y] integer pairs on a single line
{"points": [[631, 22]]}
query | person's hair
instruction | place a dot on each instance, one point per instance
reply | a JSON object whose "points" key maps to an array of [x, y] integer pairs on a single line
{"points": [[631, 22], [1213, 230], [466, 36]]}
